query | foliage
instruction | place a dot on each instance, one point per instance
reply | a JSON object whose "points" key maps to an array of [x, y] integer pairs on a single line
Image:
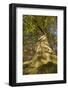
{"points": [[34, 26]]}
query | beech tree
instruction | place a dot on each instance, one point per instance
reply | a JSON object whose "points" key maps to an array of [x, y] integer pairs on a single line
{"points": [[33, 28]]}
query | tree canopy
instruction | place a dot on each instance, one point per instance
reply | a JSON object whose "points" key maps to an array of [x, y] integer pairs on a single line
{"points": [[35, 26]]}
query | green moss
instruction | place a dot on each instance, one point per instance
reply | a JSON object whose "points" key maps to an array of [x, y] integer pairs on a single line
{"points": [[48, 68]]}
